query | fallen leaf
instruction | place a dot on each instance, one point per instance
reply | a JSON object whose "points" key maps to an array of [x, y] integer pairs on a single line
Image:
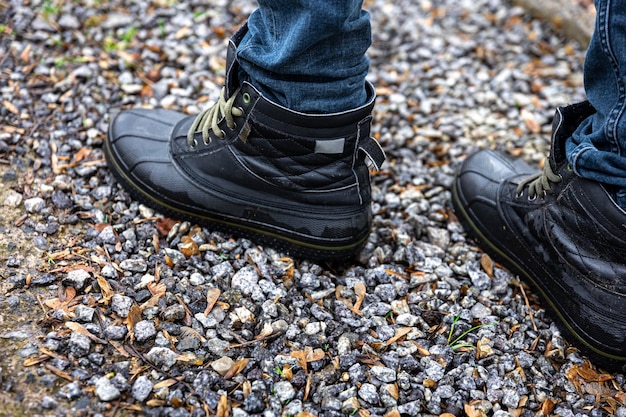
{"points": [[166, 383], [10, 107], [313, 355], [399, 333], [25, 55], [301, 358], [188, 247], [547, 407], [134, 317], [222, 407], [212, 295], [393, 413], [487, 263], [78, 328], [236, 368], [105, 289], [164, 225]]}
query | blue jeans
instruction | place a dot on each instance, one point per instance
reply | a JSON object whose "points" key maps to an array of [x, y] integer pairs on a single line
{"points": [[308, 55], [597, 149]]}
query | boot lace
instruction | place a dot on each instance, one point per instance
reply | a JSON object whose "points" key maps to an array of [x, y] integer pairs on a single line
{"points": [[209, 118], [540, 183]]}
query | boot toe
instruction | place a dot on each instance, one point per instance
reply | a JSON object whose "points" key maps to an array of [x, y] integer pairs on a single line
{"points": [[479, 179], [142, 135]]}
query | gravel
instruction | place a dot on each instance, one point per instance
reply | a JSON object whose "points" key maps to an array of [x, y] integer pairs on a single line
{"points": [[107, 308]]}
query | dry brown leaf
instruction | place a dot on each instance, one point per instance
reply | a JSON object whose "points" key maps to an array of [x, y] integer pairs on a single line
{"points": [[312, 355], [360, 291], [223, 410], [25, 55], [188, 247], [236, 368], [393, 413], [80, 155], [530, 121], [78, 328], [186, 331], [10, 107], [392, 389], [301, 358], [515, 412], [158, 289], [164, 225], [67, 294], [399, 333], [287, 372], [155, 403], [547, 407], [307, 387], [35, 360], [305, 414], [589, 374], [189, 358], [134, 317], [446, 415], [105, 289], [166, 383], [246, 387], [487, 263], [58, 372], [471, 411], [212, 295]]}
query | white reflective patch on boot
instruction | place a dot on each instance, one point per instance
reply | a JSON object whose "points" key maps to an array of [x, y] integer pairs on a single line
{"points": [[330, 146]]}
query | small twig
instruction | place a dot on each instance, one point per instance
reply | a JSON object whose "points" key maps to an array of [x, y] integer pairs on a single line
{"points": [[530, 310]]}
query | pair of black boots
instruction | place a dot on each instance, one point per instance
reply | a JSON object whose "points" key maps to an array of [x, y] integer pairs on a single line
{"points": [[300, 183]]}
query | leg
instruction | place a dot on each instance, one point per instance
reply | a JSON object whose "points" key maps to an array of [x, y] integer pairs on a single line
{"points": [[306, 57], [562, 229], [597, 149]]}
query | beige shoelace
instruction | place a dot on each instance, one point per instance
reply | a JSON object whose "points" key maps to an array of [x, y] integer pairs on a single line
{"points": [[209, 118], [540, 183]]}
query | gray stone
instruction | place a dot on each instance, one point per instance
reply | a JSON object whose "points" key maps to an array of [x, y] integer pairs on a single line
{"points": [[162, 356], [144, 330], [105, 390], [121, 304], [141, 388]]}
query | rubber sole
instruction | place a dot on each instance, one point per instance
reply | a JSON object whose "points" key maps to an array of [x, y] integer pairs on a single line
{"points": [[596, 353], [299, 248]]}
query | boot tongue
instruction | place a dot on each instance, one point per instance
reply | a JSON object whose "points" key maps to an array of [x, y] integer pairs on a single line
{"points": [[566, 121], [232, 66]]}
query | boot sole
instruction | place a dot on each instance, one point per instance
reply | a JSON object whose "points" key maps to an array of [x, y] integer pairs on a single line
{"points": [[308, 247], [596, 351]]}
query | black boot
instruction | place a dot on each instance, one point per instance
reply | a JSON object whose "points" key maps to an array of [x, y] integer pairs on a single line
{"points": [[563, 233], [250, 167]]}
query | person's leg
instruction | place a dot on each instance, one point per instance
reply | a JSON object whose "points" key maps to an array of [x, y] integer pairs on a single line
{"points": [[280, 158], [308, 55], [597, 149], [562, 229]]}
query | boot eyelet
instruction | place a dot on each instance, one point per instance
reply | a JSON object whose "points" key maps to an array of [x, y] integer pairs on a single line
{"points": [[570, 168], [233, 127], [206, 141], [246, 98], [533, 198], [520, 194], [194, 144], [222, 134]]}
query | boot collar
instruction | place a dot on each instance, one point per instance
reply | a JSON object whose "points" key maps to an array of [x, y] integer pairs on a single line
{"points": [[566, 121], [232, 65]]}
